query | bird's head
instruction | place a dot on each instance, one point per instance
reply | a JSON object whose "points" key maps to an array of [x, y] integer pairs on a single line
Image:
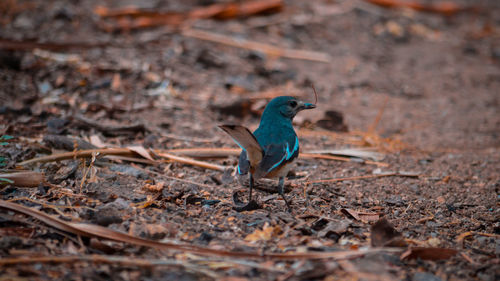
{"points": [[285, 106]]}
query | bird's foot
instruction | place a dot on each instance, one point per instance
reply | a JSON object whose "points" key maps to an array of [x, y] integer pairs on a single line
{"points": [[240, 206]]}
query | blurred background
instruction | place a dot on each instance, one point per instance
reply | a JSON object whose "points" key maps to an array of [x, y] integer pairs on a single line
{"points": [[431, 66]]}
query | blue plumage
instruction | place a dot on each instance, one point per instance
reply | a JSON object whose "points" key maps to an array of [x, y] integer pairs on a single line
{"points": [[273, 146]]}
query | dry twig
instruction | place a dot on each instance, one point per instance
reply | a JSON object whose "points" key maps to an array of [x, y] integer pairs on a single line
{"points": [[193, 162]]}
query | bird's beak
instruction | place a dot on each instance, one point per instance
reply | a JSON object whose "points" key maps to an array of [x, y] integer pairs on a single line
{"points": [[304, 105]]}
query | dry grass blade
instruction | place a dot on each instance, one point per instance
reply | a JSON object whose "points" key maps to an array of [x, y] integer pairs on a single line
{"points": [[134, 151], [373, 126], [218, 11], [256, 46], [204, 152], [90, 230], [23, 179], [362, 153], [338, 158], [446, 8]]}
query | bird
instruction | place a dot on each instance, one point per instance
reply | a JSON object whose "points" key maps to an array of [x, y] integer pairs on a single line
{"points": [[273, 147]]}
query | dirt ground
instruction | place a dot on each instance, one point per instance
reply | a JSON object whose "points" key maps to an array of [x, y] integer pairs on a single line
{"points": [[417, 90]]}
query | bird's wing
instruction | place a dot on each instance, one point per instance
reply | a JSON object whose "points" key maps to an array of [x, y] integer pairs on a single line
{"points": [[276, 155], [247, 141]]}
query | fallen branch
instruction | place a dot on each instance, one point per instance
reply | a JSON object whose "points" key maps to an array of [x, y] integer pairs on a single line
{"points": [[256, 46], [204, 152], [130, 18], [338, 158], [132, 151], [193, 162], [90, 230], [218, 11]]}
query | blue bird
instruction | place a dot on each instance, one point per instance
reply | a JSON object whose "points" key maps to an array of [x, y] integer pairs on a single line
{"points": [[271, 150]]}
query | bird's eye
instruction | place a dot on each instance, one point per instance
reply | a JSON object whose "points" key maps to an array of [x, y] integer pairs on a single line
{"points": [[293, 103]]}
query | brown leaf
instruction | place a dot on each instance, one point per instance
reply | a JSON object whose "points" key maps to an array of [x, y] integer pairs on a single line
{"points": [[265, 234], [335, 228], [430, 253], [383, 234], [350, 213], [154, 187]]}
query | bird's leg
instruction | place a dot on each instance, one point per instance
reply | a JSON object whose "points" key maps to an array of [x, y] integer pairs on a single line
{"points": [[251, 187], [281, 191]]}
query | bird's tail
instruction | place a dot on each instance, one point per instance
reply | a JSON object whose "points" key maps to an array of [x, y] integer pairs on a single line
{"points": [[246, 140]]}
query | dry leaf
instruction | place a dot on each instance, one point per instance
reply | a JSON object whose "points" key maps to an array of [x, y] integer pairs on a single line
{"points": [[141, 151], [154, 187], [383, 234], [350, 214], [96, 141], [265, 234], [362, 153]]}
